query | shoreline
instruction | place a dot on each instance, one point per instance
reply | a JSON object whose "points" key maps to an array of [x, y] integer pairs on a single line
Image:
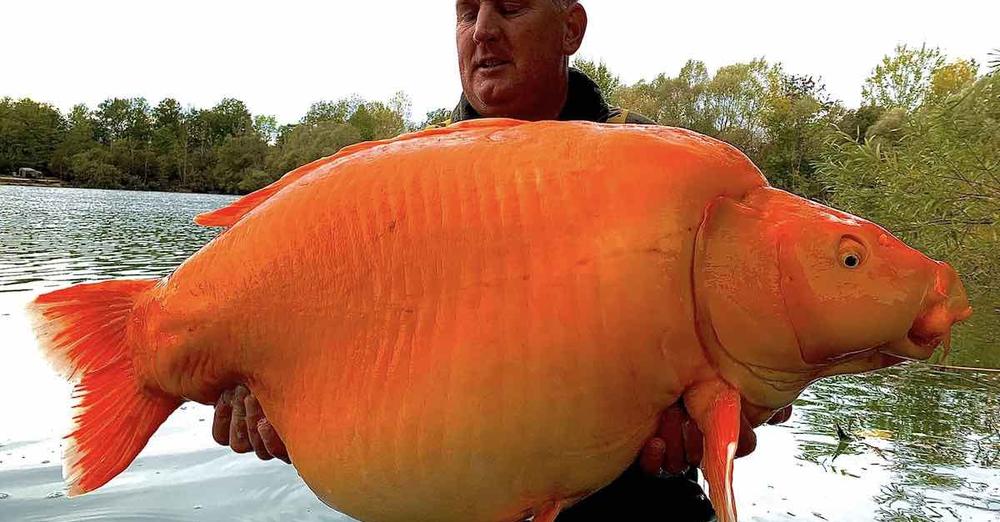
{"points": [[56, 183], [31, 182]]}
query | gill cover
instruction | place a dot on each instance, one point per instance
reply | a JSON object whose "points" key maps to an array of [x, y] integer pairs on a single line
{"points": [[740, 310]]}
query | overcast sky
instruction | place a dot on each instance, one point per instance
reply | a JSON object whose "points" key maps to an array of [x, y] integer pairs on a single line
{"points": [[279, 57]]}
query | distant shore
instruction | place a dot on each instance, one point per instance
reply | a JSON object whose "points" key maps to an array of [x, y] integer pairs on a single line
{"points": [[30, 182]]}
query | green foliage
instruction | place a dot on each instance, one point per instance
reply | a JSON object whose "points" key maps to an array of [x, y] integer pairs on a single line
{"points": [[796, 122], [373, 120], [30, 132], [903, 79], [267, 128], [238, 157], [952, 78], [435, 116], [776, 118], [599, 72], [127, 143], [93, 168], [855, 123], [679, 102]]}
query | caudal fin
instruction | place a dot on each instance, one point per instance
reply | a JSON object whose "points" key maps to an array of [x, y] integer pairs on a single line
{"points": [[715, 407], [82, 331]]}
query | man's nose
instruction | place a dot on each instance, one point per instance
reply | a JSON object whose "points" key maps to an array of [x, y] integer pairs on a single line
{"points": [[487, 27]]}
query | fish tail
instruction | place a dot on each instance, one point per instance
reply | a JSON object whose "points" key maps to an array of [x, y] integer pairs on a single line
{"points": [[715, 407], [82, 330]]}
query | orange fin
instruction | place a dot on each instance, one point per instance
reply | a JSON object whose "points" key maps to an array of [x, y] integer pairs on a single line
{"points": [[715, 407], [228, 216], [82, 331], [548, 512]]}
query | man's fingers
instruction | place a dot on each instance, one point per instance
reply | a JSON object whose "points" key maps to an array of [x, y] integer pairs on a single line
{"points": [[238, 438], [692, 443], [275, 446], [672, 434], [748, 439], [254, 416], [781, 415], [223, 417], [651, 458]]}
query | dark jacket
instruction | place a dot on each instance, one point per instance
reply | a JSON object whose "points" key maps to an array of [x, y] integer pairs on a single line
{"points": [[584, 101]]}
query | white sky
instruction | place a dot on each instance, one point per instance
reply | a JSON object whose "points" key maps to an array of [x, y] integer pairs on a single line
{"points": [[279, 57]]}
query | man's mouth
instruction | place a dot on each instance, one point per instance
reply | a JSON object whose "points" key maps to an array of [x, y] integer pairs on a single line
{"points": [[488, 64]]}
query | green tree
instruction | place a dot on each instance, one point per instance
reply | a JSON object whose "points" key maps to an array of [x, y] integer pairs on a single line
{"points": [[267, 128], [678, 102], [605, 79], [436, 116], [737, 100], [79, 137], [903, 78], [93, 168], [856, 122], [125, 126], [230, 117], [952, 78], [797, 118], [170, 144], [335, 111], [30, 133], [304, 143], [237, 157]]}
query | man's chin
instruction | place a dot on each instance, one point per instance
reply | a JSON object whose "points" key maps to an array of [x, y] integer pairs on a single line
{"points": [[495, 101]]}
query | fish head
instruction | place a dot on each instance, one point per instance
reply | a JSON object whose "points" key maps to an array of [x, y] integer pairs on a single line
{"points": [[788, 291]]}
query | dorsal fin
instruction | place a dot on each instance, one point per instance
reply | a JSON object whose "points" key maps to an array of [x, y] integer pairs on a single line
{"points": [[228, 216]]}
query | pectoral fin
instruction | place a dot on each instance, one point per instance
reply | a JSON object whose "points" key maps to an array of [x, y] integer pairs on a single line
{"points": [[715, 407], [547, 512]]}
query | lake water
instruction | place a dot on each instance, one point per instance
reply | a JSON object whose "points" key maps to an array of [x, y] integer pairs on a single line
{"points": [[925, 443]]}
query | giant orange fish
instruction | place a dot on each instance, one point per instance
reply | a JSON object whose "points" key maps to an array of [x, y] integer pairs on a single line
{"points": [[484, 322]]}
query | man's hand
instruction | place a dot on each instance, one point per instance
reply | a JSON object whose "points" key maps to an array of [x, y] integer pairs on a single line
{"points": [[240, 424], [677, 445]]}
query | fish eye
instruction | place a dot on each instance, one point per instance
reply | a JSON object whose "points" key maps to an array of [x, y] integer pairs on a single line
{"points": [[850, 260], [851, 252]]}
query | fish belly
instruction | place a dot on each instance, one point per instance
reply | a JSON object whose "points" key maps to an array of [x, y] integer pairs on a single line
{"points": [[479, 406]]}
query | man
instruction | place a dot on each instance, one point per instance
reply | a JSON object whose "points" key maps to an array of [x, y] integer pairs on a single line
{"points": [[514, 62]]}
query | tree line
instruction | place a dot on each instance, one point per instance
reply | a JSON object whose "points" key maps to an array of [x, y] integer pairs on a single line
{"points": [[921, 154], [128, 143]]}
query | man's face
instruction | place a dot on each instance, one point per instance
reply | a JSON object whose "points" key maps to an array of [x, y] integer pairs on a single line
{"points": [[511, 53]]}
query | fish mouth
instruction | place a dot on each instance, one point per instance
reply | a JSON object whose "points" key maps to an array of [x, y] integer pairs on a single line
{"points": [[945, 305], [916, 346]]}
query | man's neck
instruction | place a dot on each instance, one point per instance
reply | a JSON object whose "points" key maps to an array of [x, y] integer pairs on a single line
{"points": [[581, 100], [549, 108]]}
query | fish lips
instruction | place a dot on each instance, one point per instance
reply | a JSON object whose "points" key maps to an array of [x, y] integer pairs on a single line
{"points": [[928, 331]]}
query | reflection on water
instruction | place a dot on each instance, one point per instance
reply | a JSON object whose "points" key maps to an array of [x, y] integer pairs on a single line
{"points": [[936, 433], [61, 236], [923, 444]]}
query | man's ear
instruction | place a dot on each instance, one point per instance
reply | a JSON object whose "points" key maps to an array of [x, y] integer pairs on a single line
{"points": [[576, 27]]}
